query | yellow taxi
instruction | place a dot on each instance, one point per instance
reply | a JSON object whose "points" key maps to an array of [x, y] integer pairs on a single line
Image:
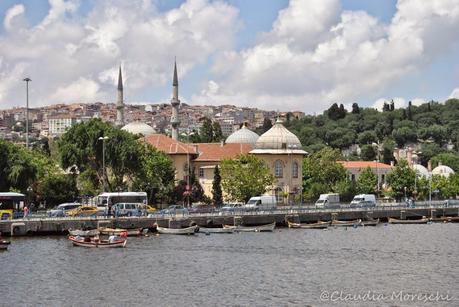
{"points": [[83, 211], [150, 209]]}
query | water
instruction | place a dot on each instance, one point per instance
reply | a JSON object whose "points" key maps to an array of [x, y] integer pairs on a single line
{"points": [[286, 268]]}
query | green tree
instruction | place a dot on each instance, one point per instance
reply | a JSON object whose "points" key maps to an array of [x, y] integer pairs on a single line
{"points": [[206, 132], [367, 182], [59, 188], [217, 134], [244, 177], [400, 178], [367, 153], [355, 108], [447, 158], [217, 196]]}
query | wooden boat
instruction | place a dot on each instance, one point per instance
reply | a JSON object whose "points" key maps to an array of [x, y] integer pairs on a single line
{"points": [[4, 242], [238, 228], [119, 231], [346, 223], [370, 222], [178, 231], [424, 220], [446, 219], [3, 247], [94, 242], [84, 233], [318, 225], [215, 230]]}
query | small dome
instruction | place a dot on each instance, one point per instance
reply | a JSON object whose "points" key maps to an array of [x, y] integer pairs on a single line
{"points": [[244, 136], [420, 170], [139, 128], [278, 137], [442, 170]]}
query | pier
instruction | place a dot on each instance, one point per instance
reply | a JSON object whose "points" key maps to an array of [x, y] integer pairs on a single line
{"points": [[44, 225]]}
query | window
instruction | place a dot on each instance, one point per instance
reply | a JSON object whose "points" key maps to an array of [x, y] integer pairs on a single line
{"points": [[201, 172], [185, 167], [295, 169], [278, 169], [278, 194]]}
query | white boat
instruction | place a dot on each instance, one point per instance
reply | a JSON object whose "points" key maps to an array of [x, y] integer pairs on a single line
{"points": [[92, 242], [346, 223], [178, 231], [84, 233], [238, 228], [215, 230], [119, 231], [318, 225]]}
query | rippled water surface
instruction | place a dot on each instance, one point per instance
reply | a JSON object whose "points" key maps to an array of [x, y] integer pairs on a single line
{"points": [[285, 268]]}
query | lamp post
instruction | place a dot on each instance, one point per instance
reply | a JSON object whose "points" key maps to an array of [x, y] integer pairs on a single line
{"points": [[377, 145], [103, 139], [27, 80]]}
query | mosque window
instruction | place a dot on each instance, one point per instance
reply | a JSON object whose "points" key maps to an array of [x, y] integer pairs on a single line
{"points": [[278, 169], [201, 172], [295, 169]]}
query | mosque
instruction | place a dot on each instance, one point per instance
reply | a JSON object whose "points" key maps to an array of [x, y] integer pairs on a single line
{"points": [[278, 147]]}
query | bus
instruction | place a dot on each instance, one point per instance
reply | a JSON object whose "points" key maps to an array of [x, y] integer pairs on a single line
{"points": [[10, 203], [105, 201]]}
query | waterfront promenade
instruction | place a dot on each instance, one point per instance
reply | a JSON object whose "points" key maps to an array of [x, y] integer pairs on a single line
{"points": [[44, 225]]}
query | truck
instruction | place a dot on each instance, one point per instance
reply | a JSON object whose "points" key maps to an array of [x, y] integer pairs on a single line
{"points": [[330, 200], [264, 202], [363, 201]]}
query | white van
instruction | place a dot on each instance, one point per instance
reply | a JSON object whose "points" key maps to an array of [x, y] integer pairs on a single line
{"points": [[330, 200], [264, 202], [363, 201]]}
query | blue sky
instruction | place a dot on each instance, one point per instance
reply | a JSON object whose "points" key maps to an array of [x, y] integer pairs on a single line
{"points": [[292, 55]]}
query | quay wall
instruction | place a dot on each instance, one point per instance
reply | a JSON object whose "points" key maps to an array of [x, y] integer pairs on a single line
{"points": [[41, 226]]}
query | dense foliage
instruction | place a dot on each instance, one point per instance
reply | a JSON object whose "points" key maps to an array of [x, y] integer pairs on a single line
{"points": [[217, 196]]}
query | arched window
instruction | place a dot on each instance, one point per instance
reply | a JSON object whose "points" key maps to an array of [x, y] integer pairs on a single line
{"points": [[279, 195], [295, 169], [278, 169]]}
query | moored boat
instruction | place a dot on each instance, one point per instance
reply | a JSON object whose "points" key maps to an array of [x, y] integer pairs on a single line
{"points": [[318, 225], [119, 231], [215, 230], [84, 233], [239, 228], [446, 219], [370, 222], [423, 220], [95, 242], [346, 223], [3, 246], [178, 231]]}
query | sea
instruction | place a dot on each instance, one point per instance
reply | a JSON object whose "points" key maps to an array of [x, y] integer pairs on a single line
{"points": [[386, 265]]}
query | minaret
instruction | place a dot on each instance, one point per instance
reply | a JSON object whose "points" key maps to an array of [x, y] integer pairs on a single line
{"points": [[175, 102], [119, 102]]}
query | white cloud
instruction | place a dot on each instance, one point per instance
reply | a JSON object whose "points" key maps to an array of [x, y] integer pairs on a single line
{"points": [[455, 93], [316, 54], [13, 15], [72, 57]]}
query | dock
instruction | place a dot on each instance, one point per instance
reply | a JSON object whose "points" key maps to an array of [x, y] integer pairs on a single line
{"points": [[43, 225]]}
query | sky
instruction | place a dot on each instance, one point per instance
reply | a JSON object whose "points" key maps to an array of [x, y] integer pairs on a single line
{"points": [[276, 55]]}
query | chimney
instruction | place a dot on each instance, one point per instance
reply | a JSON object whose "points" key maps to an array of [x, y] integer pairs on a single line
{"points": [[222, 142], [440, 163], [429, 166]]}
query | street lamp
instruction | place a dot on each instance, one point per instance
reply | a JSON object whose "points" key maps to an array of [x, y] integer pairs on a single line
{"points": [[27, 80], [103, 139], [378, 149]]}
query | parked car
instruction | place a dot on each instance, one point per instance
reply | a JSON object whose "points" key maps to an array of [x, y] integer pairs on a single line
{"points": [[231, 208], [202, 208], [363, 201], [264, 202], [60, 211], [83, 211], [174, 209]]}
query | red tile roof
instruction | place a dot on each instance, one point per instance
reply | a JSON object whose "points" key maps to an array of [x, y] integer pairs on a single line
{"points": [[217, 151], [169, 145], [364, 164]]}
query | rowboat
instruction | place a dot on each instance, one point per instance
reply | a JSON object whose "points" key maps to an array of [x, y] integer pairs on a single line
{"points": [[446, 219], [318, 225], [84, 233], [215, 230], [337, 223], [370, 222], [424, 220], [119, 231], [178, 231], [4, 242], [93, 242], [238, 228]]}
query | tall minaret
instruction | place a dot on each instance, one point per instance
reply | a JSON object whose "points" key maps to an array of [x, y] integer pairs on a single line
{"points": [[119, 102], [175, 102]]}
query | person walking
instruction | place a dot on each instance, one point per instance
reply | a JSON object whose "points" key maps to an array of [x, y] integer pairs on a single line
{"points": [[26, 212]]}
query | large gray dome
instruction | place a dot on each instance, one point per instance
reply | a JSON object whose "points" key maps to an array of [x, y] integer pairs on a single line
{"points": [[139, 128], [420, 170], [278, 137], [442, 170], [244, 136]]}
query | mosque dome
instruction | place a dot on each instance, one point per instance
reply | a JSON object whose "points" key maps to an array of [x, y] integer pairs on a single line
{"points": [[420, 170], [442, 170], [278, 137], [139, 128], [244, 136]]}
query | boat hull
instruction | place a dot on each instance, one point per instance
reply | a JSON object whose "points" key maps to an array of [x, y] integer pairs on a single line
{"points": [[97, 244], [396, 221], [177, 231], [215, 230], [261, 228], [318, 225], [346, 223], [370, 223]]}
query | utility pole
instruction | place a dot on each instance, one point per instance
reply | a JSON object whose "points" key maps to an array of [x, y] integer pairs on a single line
{"points": [[27, 80]]}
